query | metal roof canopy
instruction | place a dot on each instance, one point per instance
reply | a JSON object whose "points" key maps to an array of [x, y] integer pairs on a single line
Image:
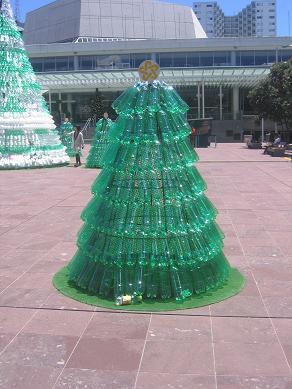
{"points": [[121, 79]]}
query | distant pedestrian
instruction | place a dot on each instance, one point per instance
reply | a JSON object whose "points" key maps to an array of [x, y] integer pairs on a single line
{"points": [[77, 144], [193, 136], [277, 141]]}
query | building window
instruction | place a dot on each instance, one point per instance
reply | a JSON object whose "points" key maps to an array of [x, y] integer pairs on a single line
{"points": [[165, 60], [50, 64], [193, 59], [37, 64], [86, 62], [62, 64], [137, 59], [245, 58], [179, 60], [206, 59]]}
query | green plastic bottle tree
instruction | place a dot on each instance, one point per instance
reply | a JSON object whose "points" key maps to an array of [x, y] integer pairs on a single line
{"points": [[99, 142], [149, 230], [66, 138], [27, 131]]}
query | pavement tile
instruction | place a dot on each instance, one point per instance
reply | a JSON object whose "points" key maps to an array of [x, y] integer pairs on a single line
{"points": [[256, 241], [80, 199], [26, 377], [243, 330], [200, 311], [12, 320], [39, 350], [257, 359], [19, 259], [284, 330], [63, 251], [115, 325], [178, 357], [65, 323], [3, 230], [95, 379], [174, 381], [56, 300], [272, 217], [275, 288], [250, 288], [232, 247], [180, 328], [5, 339], [30, 280], [272, 272], [40, 243], [5, 249], [240, 306], [274, 260], [246, 217], [288, 353], [245, 231], [6, 280], [263, 251], [228, 230], [107, 354], [279, 306], [48, 267], [232, 382], [238, 261], [16, 238], [23, 298]]}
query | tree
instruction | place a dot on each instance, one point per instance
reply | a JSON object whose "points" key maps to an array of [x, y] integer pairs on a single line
{"points": [[96, 106], [272, 97], [149, 231], [27, 131], [99, 143], [66, 138]]}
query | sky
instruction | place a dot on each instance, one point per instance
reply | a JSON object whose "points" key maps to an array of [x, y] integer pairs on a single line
{"points": [[284, 10]]}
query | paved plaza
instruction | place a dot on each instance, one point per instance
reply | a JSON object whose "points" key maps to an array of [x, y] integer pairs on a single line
{"points": [[50, 341]]}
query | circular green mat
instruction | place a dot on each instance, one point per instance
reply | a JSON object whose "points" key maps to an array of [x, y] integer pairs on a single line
{"points": [[232, 286]]}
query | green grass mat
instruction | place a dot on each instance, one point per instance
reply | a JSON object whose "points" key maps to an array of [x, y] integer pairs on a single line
{"points": [[232, 286]]}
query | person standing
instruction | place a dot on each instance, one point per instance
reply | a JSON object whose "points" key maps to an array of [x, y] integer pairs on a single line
{"points": [[77, 144]]}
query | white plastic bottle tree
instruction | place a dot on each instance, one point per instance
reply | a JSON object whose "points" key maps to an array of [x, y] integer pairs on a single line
{"points": [[27, 130]]}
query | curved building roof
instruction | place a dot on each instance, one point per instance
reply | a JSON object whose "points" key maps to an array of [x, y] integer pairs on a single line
{"points": [[67, 20]]}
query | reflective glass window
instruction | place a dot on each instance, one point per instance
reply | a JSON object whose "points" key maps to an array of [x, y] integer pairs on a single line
{"points": [[206, 59], [37, 64], [62, 64], [166, 60], [247, 58], [193, 59], [50, 64], [179, 60], [86, 62]]}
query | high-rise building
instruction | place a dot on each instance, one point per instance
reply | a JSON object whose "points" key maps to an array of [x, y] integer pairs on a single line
{"points": [[259, 18]]}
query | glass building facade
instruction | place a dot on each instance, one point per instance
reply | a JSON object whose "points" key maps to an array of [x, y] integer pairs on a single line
{"points": [[165, 60]]}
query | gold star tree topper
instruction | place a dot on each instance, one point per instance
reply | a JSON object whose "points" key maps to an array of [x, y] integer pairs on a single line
{"points": [[149, 71]]}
